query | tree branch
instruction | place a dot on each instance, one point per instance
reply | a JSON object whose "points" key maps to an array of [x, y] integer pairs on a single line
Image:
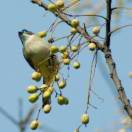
{"points": [[68, 21], [104, 48], [118, 84], [108, 22]]}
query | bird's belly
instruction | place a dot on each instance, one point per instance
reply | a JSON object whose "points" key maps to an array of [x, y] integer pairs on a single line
{"points": [[49, 66], [49, 70]]}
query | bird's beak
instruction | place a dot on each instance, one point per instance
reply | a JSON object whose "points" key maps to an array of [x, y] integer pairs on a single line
{"points": [[20, 34]]}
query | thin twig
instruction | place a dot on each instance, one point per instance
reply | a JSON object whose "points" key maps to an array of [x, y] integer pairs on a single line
{"points": [[20, 109], [121, 7], [63, 17], [8, 116], [119, 28], [86, 15], [92, 74]]}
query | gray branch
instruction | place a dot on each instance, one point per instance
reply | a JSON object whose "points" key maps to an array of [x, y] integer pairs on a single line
{"points": [[106, 51]]}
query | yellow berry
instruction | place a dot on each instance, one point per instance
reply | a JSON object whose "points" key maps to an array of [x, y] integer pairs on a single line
{"points": [[52, 7], [62, 84], [76, 130], [42, 34], [57, 77], [65, 55], [76, 65], [96, 30], [33, 98], [74, 22], [62, 49], [50, 89], [130, 74], [32, 89], [54, 49], [73, 30], [66, 61], [85, 119], [66, 101], [47, 94], [47, 108], [92, 46], [34, 125], [61, 100], [60, 4], [74, 48], [36, 76]]}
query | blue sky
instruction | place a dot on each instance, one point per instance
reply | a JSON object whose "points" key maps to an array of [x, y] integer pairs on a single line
{"points": [[16, 74]]}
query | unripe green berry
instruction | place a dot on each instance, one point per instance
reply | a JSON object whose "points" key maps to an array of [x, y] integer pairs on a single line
{"points": [[36, 76], [66, 61], [34, 125], [73, 30], [66, 101], [65, 55], [74, 22], [53, 49], [85, 119], [92, 46], [52, 7], [47, 108], [50, 89], [42, 34], [130, 74], [60, 4], [47, 94], [62, 49], [96, 30], [57, 77], [62, 84], [74, 48], [32, 89], [76, 65], [61, 100], [33, 98], [76, 130]]}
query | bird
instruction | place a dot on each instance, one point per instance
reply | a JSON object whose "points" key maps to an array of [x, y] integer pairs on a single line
{"points": [[36, 52]]}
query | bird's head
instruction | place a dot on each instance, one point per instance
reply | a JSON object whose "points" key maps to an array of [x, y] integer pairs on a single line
{"points": [[24, 35]]}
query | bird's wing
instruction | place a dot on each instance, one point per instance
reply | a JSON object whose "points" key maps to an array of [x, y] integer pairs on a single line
{"points": [[28, 59]]}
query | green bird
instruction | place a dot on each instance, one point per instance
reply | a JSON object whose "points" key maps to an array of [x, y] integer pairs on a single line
{"points": [[36, 51]]}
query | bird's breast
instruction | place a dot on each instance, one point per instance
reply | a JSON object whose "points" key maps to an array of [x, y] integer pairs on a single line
{"points": [[38, 52]]}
